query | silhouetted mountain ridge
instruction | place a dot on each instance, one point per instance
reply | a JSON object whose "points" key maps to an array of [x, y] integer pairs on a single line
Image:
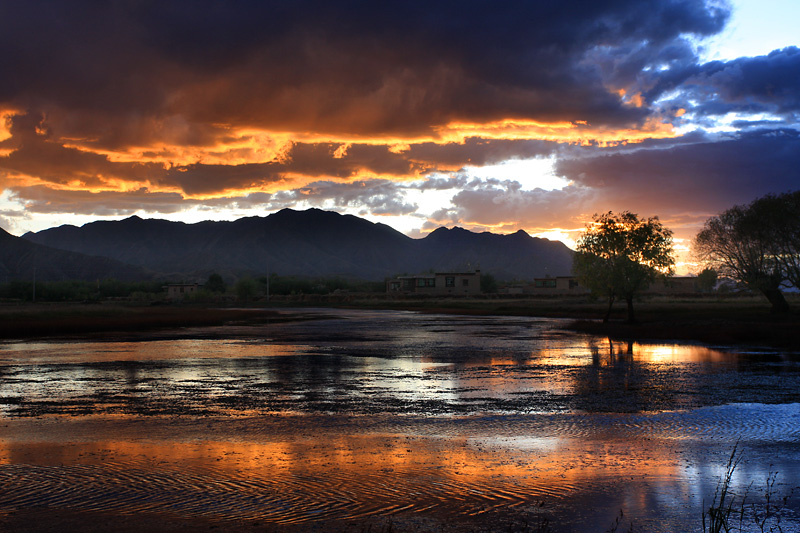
{"points": [[20, 260], [306, 243]]}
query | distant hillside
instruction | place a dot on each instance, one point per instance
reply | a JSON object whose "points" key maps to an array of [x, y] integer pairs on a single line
{"points": [[19, 258], [515, 256], [306, 243]]}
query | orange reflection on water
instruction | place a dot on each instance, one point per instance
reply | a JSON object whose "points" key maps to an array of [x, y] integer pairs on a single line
{"points": [[348, 473], [174, 349], [597, 350]]}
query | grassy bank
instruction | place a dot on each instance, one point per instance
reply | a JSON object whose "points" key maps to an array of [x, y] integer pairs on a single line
{"points": [[713, 320], [53, 320]]}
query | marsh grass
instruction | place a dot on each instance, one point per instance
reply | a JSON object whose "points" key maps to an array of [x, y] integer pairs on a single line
{"points": [[618, 522], [719, 515], [768, 516], [729, 514]]}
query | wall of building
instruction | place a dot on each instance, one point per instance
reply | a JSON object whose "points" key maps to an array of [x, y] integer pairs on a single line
{"points": [[181, 291], [439, 284]]}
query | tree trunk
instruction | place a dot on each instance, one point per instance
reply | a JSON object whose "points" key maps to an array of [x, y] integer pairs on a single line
{"points": [[608, 312], [779, 303], [631, 317]]}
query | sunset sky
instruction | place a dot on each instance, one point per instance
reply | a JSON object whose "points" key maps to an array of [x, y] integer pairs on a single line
{"points": [[493, 116]]}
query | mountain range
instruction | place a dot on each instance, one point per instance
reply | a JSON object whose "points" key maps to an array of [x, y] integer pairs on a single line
{"points": [[289, 242], [26, 261]]}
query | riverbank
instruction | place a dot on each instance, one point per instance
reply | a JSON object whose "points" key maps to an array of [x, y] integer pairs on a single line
{"points": [[710, 320], [59, 320]]}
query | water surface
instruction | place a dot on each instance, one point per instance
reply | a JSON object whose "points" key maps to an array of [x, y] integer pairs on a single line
{"points": [[429, 420]]}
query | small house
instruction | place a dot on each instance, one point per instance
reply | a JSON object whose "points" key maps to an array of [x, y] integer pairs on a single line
{"points": [[179, 291], [437, 284], [557, 285]]}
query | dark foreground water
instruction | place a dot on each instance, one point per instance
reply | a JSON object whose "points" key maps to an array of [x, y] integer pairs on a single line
{"points": [[358, 419]]}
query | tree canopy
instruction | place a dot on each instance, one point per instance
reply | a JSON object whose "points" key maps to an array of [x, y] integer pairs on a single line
{"points": [[756, 244], [215, 283], [620, 255]]}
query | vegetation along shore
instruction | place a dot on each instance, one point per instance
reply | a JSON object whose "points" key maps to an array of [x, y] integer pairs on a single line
{"points": [[711, 320]]}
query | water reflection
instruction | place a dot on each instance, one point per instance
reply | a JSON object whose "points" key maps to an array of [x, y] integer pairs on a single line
{"points": [[299, 470], [386, 362], [379, 413]]}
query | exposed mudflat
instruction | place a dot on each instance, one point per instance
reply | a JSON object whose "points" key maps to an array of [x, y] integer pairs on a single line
{"points": [[366, 420]]}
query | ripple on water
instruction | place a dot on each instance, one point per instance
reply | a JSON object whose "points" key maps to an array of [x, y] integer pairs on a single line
{"points": [[278, 499]]}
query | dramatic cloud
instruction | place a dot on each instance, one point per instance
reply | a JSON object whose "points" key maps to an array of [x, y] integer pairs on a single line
{"points": [[766, 84], [394, 109], [503, 206], [361, 68], [41, 199], [701, 178]]}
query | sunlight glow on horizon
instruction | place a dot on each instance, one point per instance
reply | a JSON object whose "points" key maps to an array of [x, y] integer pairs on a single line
{"points": [[530, 173], [756, 27]]}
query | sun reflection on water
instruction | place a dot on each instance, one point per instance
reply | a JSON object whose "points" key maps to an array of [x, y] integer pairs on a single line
{"points": [[374, 414]]}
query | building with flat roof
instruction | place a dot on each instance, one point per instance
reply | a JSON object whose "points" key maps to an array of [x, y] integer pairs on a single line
{"points": [[179, 291], [437, 284]]}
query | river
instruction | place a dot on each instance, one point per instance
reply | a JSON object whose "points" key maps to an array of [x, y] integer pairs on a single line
{"points": [[356, 420]]}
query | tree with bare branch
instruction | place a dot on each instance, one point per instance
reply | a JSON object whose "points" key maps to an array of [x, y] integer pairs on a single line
{"points": [[756, 244]]}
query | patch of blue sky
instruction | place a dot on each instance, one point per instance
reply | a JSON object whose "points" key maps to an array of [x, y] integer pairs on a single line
{"points": [[756, 27]]}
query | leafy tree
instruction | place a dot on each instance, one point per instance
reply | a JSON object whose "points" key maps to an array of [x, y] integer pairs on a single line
{"points": [[620, 255], [246, 288], [488, 284], [215, 283], [706, 280], [755, 245]]}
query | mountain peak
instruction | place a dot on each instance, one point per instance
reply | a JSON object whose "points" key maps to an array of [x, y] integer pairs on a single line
{"points": [[311, 242]]}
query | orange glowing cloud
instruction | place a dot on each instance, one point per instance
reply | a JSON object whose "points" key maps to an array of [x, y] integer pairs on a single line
{"points": [[5, 123], [579, 132], [239, 146]]}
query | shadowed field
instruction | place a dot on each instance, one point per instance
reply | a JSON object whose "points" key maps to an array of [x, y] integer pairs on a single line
{"points": [[732, 320], [43, 320]]}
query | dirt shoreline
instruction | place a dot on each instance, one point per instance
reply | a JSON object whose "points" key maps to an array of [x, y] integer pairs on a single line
{"points": [[718, 321]]}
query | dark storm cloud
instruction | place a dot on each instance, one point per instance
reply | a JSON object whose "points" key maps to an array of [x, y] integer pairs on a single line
{"points": [[350, 161], [764, 84], [359, 67], [477, 152], [325, 158], [35, 153], [42, 199], [306, 159], [208, 179], [701, 178]]}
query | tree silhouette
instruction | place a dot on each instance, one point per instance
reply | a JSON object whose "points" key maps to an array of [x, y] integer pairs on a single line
{"points": [[756, 244], [215, 283], [707, 280], [620, 255]]}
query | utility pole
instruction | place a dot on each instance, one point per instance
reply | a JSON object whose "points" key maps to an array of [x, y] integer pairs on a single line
{"points": [[34, 284]]}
